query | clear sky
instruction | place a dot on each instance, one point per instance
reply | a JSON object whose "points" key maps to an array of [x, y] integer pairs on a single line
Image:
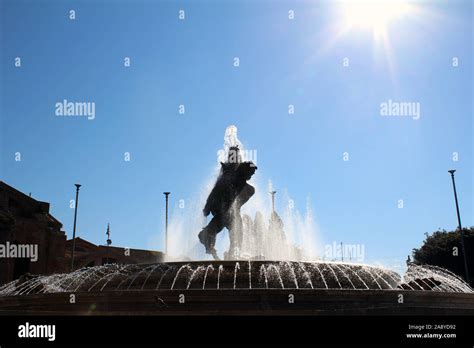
{"points": [[283, 61]]}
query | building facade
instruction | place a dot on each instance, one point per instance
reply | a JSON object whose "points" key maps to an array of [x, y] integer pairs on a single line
{"points": [[87, 254], [25, 221]]}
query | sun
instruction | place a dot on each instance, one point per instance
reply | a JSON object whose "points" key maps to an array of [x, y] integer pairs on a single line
{"points": [[374, 15]]}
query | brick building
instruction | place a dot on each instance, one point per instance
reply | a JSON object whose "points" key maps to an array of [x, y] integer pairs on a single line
{"points": [[27, 221], [87, 254]]}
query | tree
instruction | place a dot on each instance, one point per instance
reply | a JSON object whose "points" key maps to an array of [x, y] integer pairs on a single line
{"points": [[443, 248]]}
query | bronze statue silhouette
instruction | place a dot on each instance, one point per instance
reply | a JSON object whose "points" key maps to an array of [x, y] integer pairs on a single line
{"points": [[229, 194]]}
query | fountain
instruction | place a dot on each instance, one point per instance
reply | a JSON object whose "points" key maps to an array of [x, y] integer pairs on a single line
{"points": [[260, 272], [218, 275]]}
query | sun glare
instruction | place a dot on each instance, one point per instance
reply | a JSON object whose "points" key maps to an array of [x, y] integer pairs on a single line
{"points": [[374, 15]]}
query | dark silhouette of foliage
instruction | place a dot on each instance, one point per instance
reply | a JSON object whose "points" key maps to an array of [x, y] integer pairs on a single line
{"points": [[443, 248]]}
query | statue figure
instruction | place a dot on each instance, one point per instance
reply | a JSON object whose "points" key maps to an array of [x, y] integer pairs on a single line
{"points": [[229, 194]]}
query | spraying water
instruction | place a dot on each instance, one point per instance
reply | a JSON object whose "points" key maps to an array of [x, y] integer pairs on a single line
{"points": [[265, 234], [216, 275]]}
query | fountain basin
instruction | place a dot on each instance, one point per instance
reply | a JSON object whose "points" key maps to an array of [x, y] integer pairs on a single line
{"points": [[240, 288], [242, 302], [209, 275]]}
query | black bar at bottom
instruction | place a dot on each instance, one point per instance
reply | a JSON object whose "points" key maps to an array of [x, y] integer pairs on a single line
{"points": [[105, 330]]}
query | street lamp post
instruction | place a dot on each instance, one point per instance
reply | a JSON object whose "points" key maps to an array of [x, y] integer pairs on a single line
{"points": [[466, 269], [166, 222], [74, 227]]}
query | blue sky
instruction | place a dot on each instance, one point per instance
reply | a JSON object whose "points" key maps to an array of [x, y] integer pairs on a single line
{"points": [[282, 62]]}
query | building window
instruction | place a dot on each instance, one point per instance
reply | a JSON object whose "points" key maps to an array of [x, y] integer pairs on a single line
{"points": [[106, 260]]}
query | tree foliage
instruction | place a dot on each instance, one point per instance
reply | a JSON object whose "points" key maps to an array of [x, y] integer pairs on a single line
{"points": [[443, 248]]}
